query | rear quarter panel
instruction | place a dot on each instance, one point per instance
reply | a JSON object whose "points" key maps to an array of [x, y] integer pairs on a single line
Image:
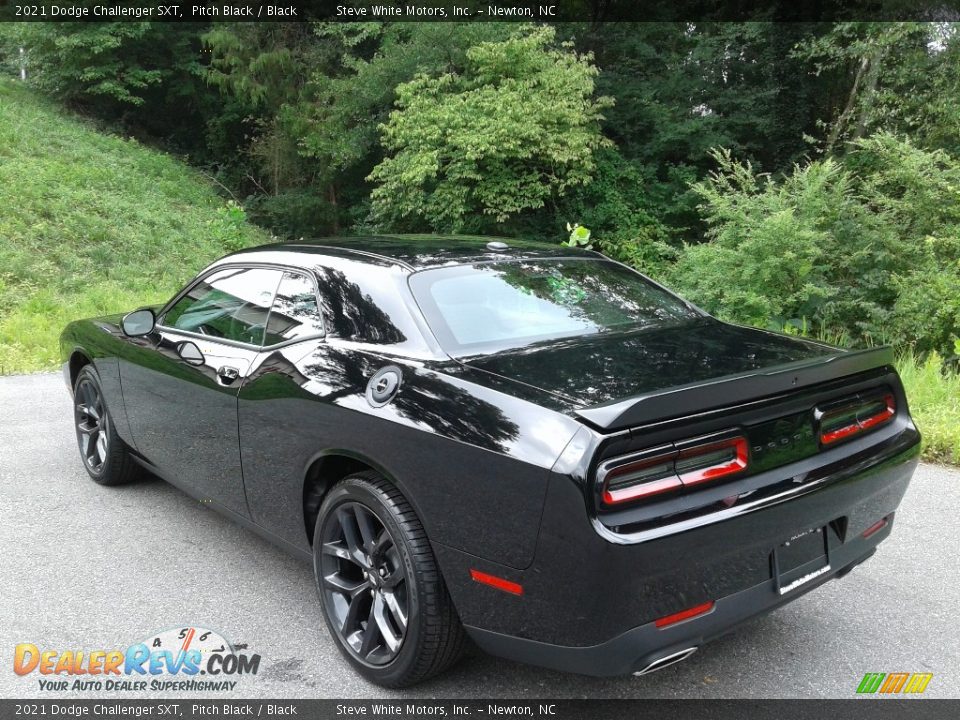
{"points": [[473, 461]]}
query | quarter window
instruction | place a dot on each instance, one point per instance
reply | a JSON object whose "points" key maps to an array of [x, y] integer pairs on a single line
{"points": [[231, 304], [295, 313]]}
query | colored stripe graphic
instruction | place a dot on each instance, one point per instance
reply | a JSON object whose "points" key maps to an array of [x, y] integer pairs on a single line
{"points": [[918, 682], [870, 682], [894, 682]]}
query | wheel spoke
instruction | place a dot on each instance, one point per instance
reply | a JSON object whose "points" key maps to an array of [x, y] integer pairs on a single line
{"points": [[85, 443], [340, 584], [393, 605], [393, 580], [383, 623], [101, 446], [352, 616], [93, 440], [365, 524], [382, 542], [335, 549], [371, 633], [351, 537]]}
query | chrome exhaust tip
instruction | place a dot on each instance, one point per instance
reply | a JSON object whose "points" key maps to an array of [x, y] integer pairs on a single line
{"points": [[666, 661]]}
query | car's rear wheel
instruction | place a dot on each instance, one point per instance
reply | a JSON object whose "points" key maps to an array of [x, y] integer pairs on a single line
{"points": [[383, 597], [105, 456]]}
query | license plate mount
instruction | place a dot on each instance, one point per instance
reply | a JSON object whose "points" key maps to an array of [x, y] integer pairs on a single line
{"points": [[801, 560]]}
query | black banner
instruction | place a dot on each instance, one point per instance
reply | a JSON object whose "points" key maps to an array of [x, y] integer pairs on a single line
{"points": [[476, 10], [862, 709]]}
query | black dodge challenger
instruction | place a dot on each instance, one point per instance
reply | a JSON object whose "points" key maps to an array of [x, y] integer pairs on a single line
{"points": [[530, 446]]}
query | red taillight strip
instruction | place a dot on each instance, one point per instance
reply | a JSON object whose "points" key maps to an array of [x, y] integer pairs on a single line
{"points": [[840, 433], [712, 472], [673, 476], [695, 611], [875, 528], [881, 417], [498, 582], [859, 425], [655, 487]]}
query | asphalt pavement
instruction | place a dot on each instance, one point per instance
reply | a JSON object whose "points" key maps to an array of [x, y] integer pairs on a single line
{"points": [[88, 567]]}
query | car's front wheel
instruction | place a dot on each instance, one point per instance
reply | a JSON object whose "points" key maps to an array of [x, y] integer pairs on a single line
{"points": [[383, 597], [105, 456]]}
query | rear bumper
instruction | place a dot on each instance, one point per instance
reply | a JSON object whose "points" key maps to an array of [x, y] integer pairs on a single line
{"points": [[639, 647], [589, 605]]}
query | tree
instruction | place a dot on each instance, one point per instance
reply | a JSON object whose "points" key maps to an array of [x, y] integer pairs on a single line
{"points": [[511, 133], [900, 77]]}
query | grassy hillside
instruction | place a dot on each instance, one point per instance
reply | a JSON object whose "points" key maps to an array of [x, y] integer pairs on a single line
{"points": [[93, 223]]}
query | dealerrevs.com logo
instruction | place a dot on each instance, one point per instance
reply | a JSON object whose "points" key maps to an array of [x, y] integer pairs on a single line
{"points": [[185, 659]]}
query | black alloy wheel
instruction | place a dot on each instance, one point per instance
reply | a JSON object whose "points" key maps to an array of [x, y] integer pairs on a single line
{"points": [[106, 458], [93, 425], [364, 583], [384, 599]]}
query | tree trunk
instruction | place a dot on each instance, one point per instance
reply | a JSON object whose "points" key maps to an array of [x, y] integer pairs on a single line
{"points": [[837, 130], [336, 210]]}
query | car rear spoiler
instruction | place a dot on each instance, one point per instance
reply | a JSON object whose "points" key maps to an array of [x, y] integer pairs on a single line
{"points": [[696, 397]]}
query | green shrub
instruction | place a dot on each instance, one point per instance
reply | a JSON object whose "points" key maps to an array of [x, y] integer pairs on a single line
{"points": [[868, 248]]}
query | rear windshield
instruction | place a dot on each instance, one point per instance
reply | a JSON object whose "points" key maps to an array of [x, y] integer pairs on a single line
{"points": [[486, 307]]}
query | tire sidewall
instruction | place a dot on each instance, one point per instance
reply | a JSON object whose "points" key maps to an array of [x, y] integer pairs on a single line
{"points": [[358, 490]]}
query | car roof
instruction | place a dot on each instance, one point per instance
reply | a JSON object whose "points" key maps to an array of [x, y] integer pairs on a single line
{"points": [[417, 252]]}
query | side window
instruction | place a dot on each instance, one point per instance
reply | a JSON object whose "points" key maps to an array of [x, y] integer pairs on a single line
{"points": [[232, 304], [295, 313]]}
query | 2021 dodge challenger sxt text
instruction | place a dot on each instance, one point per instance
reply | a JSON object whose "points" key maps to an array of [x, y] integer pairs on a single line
{"points": [[534, 447]]}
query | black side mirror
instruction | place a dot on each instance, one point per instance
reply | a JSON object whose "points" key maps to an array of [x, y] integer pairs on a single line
{"points": [[190, 353], [139, 322]]}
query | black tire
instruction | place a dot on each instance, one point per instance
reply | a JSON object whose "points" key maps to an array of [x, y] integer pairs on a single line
{"points": [[433, 638], [105, 457]]}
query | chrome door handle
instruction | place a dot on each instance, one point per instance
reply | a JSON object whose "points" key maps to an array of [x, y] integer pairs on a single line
{"points": [[227, 374]]}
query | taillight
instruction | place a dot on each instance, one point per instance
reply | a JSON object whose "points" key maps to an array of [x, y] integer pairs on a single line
{"points": [[855, 418], [671, 468], [651, 475], [709, 462]]}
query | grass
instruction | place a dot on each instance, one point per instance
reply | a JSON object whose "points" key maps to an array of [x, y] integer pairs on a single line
{"points": [[93, 223], [934, 396]]}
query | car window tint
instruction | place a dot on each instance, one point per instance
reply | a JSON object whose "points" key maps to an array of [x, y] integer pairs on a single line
{"points": [[295, 313], [494, 306], [232, 304]]}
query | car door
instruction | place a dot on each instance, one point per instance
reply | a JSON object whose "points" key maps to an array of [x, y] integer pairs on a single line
{"points": [[182, 405], [278, 431]]}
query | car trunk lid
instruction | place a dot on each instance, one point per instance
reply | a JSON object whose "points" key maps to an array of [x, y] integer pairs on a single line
{"points": [[623, 380]]}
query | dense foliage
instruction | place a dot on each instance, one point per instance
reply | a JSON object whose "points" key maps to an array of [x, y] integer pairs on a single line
{"points": [[801, 176], [867, 249]]}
